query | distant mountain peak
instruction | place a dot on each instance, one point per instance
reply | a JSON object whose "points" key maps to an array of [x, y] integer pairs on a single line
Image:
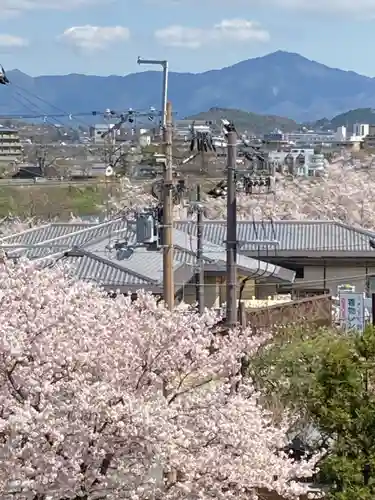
{"points": [[284, 53], [17, 72], [285, 57], [281, 84]]}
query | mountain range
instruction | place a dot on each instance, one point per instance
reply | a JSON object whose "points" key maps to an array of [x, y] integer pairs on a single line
{"points": [[280, 83]]}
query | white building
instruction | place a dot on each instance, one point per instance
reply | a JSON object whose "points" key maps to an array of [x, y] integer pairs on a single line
{"points": [[144, 139], [361, 130], [299, 162], [341, 133], [97, 131], [310, 137]]}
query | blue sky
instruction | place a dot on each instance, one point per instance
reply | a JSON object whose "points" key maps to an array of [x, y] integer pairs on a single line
{"points": [[106, 36]]}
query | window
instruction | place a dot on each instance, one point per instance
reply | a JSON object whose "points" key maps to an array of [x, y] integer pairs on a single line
{"points": [[300, 272]]}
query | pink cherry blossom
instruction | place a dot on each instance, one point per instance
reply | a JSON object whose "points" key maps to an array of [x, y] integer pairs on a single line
{"points": [[346, 194], [103, 398]]}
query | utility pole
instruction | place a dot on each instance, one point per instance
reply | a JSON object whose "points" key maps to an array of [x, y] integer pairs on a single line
{"points": [[168, 258], [200, 262], [231, 243], [164, 65], [201, 139]]}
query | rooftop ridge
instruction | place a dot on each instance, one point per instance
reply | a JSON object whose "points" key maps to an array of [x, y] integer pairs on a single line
{"points": [[263, 221], [25, 231]]}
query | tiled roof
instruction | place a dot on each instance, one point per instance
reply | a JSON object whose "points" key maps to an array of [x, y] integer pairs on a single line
{"points": [[63, 234], [300, 236], [90, 247], [216, 254], [89, 269], [139, 260]]}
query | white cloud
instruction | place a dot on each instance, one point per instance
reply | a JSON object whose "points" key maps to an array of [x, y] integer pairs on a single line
{"points": [[95, 37], [240, 30], [228, 30], [10, 41]]}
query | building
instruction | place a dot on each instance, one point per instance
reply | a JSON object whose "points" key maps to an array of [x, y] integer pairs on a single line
{"points": [[10, 145], [28, 171], [298, 162], [352, 145], [369, 140], [97, 131], [144, 138], [85, 169], [361, 130], [275, 140], [183, 128], [275, 136], [324, 254], [310, 137], [341, 133], [299, 257], [107, 255]]}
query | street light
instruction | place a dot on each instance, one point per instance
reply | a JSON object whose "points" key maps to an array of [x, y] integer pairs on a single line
{"points": [[164, 65]]}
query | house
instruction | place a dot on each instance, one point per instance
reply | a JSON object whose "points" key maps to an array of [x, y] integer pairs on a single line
{"points": [[108, 255], [323, 254], [28, 171]]}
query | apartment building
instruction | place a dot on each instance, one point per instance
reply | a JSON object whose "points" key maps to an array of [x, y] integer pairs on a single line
{"points": [[369, 140], [10, 145]]}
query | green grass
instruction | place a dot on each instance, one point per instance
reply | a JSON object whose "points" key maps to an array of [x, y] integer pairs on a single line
{"points": [[52, 201]]}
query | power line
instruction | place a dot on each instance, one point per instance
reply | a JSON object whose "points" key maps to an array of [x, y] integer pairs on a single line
{"points": [[44, 101]]}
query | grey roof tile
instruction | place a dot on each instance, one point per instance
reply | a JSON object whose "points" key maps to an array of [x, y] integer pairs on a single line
{"points": [[139, 264], [67, 235], [214, 253], [149, 263], [139, 260], [309, 236], [89, 269], [101, 273], [42, 233]]}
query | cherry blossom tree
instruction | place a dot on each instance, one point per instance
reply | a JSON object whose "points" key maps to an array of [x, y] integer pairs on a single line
{"points": [[110, 399], [10, 225], [130, 196], [345, 194]]}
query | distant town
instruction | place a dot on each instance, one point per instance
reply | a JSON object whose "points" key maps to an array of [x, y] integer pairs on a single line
{"points": [[56, 152]]}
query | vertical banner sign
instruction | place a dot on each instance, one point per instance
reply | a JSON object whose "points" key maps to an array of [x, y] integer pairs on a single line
{"points": [[352, 310]]}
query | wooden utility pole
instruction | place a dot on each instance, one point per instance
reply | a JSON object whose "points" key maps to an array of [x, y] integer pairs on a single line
{"points": [[231, 243], [168, 274]]}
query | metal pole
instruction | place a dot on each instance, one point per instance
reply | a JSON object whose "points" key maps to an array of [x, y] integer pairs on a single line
{"points": [[200, 262], [165, 94], [231, 313], [168, 277], [164, 65]]}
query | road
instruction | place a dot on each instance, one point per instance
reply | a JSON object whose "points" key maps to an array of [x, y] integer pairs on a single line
{"points": [[50, 182], [191, 180]]}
